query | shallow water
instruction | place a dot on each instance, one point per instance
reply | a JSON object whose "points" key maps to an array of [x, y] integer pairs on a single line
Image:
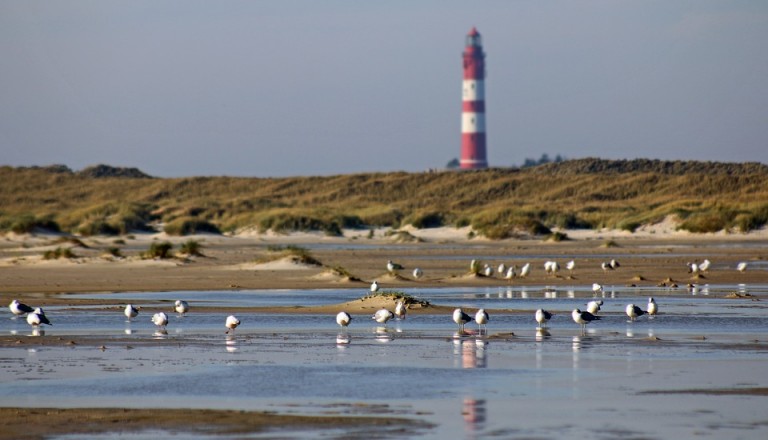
{"points": [[532, 384]]}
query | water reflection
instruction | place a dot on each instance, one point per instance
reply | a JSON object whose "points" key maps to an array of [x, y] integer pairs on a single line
{"points": [[542, 334], [383, 335], [160, 334], [36, 331], [475, 416], [343, 340], [469, 352], [231, 343]]}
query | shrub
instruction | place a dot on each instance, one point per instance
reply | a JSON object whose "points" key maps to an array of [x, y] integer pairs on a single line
{"points": [[97, 227], [59, 252], [428, 220], [188, 225], [191, 247], [558, 236], [158, 250], [27, 223], [705, 222], [630, 226], [113, 251]]}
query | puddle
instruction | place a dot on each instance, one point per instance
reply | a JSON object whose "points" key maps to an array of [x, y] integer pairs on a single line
{"points": [[516, 382]]}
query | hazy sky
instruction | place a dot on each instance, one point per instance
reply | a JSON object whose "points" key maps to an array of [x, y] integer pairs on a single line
{"points": [[282, 88]]}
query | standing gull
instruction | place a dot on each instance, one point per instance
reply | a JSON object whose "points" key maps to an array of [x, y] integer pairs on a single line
{"points": [[634, 312], [570, 266], [392, 266], [400, 310], [181, 307], [597, 288], [652, 307], [594, 306], [481, 317], [525, 270], [131, 311], [343, 319], [382, 316], [374, 286], [231, 323], [18, 308], [542, 316], [461, 318], [160, 319], [37, 317], [583, 318], [418, 273], [741, 267]]}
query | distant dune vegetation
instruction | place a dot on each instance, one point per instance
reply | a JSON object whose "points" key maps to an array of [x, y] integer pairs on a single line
{"points": [[497, 203]]}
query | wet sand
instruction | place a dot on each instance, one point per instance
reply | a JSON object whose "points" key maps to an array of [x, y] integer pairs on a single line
{"points": [[231, 263]]}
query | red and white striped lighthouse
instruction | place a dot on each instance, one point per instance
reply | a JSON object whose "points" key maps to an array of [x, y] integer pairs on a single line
{"points": [[473, 108]]}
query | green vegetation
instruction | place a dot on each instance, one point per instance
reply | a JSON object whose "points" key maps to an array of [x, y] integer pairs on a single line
{"points": [[59, 252], [497, 203], [158, 250], [300, 254], [191, 248]]}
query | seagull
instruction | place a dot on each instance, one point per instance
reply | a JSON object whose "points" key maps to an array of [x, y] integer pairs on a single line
{"points": [[131, 311], [231, 323], [400, 310], [525, 270], [652, 307], [391, 266], [614, 264], [741, 267], [704, 266], [160, 320], [375, 286], [548, 266], [554, 267], [481, 317], [502, 269], [488, 271], [594, 306], [606, 266], [418, 273], [597, 287], [693, 268], [181, 307], [510, 273], [634, 311], [570, 266], [461, 318], [542, 316], [583, 318], [382, 316], [37, 317], [343, 319], [18, 308]]}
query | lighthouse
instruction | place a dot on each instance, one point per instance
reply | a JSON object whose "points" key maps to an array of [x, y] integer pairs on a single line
{"points": [[473, 106]]}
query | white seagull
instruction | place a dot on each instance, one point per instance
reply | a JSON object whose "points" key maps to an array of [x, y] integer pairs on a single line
{"points": [[594, 306], [652, 307], [704, 266], [18, 308], [614, 264], [131, 311], [583, 318], [400, 310], [392, 266], [488, 271], [382, 316], [570, 266], [481, 317], [741, 267], [510, 273], [160, 319], [605, 266], [597, 287], [461, 318], [525, 270], [502, 269], [542, 316], [181, 307], [37, 317], [375, 286], [343, 319], [231, 323], [418, 273], [693, 268], [634, 312]]}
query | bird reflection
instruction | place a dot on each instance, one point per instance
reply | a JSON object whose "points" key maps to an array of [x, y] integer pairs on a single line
{"points": [[383, 335], [160, 334], [475, 415], [231, 343], [343, 339], [542, 334], [469, 352], [36, 331]]}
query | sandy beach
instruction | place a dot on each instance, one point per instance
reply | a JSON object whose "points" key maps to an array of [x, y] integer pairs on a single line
{"points": [[651, 257]]}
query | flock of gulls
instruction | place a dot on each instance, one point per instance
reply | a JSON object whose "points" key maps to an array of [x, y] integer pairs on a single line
{"points": [[35, 316]]}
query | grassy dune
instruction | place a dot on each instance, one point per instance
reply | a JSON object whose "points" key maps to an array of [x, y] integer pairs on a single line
{"points": [[499, 203]]}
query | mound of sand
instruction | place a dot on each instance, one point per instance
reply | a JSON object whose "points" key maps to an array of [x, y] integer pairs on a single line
{"points": [[285, 263]]}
